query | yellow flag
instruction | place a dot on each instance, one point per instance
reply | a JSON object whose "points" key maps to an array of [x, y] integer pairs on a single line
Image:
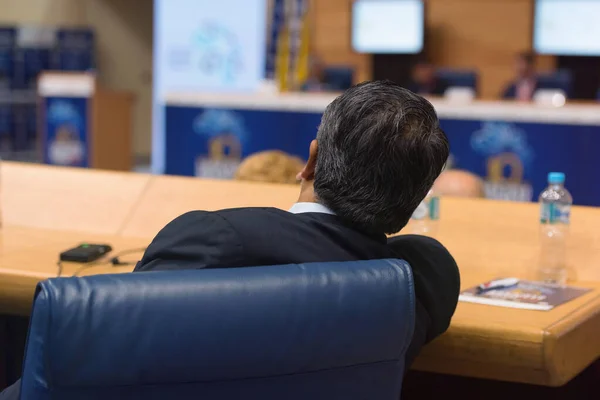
{"points": [[303, 56]]}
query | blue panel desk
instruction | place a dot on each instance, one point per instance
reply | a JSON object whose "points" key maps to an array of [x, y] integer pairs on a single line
{"points": [[511, 145]]}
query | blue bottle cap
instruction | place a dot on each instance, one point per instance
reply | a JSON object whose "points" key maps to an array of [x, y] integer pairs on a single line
{"points": [[556, 178]]}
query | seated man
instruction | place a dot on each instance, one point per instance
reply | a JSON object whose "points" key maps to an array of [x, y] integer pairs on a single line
{"points": [[424, 80], [378, 151], [525, 83]]}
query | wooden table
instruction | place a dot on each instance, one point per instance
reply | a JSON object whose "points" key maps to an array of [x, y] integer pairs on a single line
{"points": [[167, 197], [29, 255], [69, 199], [488, 239], [498, 239]]}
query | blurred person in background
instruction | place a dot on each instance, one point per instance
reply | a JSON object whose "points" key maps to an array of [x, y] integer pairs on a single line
{"points": [[424, 80], [458, 183], [525, 84], [316, 81], [271, 167]]}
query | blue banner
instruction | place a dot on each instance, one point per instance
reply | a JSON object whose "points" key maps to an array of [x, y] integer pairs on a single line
{"points": [[515, 158], [66, 139], [512, 158], [212, 142]]}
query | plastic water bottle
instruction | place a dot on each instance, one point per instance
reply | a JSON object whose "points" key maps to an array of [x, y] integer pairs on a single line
{"points": [[555, 213], [424, 220]]}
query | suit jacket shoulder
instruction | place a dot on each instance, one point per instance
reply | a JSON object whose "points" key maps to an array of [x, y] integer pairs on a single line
{"points": [[197, 239]]}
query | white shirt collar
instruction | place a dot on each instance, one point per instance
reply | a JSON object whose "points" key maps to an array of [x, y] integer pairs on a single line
{"points": [[300, 208]]}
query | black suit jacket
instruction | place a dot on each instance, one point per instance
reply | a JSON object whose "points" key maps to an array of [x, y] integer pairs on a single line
{"points": [[267, 236]]}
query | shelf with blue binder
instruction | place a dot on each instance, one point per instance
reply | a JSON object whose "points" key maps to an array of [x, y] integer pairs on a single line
{"points": [[17, 124], [25, 52], [81, 124]]}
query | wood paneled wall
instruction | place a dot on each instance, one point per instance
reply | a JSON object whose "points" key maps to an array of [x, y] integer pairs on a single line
{"points": [[331, 20], [478, 34]]}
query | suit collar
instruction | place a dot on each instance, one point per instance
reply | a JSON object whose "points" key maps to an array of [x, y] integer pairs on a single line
{"points": [[316, 208]]}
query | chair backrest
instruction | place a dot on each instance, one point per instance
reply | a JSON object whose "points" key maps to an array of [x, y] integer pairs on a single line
{"points": [[310, 331], [560, 79], [339, 77], [458, 77]]}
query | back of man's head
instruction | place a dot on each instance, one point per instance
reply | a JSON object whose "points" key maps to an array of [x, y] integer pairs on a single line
{"points": [[380, 149]]}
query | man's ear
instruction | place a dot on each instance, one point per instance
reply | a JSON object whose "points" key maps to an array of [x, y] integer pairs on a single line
{"points": [[308, 172]]}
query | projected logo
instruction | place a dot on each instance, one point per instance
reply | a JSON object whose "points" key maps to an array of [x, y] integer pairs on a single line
{"points": [[64, 138], [225, 133], [214, 50], [508, 154]]}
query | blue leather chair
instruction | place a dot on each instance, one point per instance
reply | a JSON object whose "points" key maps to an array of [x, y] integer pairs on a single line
{"points": [[560, 79], [339, 77], [313, 331], [458, 77]]}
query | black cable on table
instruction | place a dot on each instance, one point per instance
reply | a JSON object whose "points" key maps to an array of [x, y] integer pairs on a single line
{"points": [[115, 261]]}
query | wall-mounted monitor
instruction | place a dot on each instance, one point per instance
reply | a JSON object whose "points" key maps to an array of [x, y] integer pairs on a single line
{"points": [[204, 46], [567, 27], [388, 26]]}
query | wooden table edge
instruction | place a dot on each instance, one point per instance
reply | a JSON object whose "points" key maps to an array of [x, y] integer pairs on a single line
{"points": [[572, 343]]}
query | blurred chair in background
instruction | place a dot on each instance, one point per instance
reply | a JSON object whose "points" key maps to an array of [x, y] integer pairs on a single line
{"points": [[322, 78], [459, 183], [317, 79], [459, 78], [560, 79], [425, 80], [339, 77], [270, 166]]}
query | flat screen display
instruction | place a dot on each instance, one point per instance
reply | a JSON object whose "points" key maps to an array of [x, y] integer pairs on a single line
{"points": [[204, 46], [201, 45], [388, 26], [567, 27]]}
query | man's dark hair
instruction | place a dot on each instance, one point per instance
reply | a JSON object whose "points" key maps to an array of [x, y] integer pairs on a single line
{"points": [[422, 60], [528, 57], [380, 149]]}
